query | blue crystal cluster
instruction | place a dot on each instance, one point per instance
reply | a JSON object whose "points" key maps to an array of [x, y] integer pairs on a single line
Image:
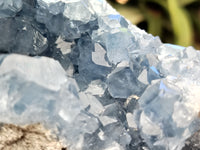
{"points": [[98, 81]]}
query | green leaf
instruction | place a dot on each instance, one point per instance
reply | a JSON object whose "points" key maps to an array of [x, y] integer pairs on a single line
{"points": [[181, 23], [187, 2], [154, 20]]}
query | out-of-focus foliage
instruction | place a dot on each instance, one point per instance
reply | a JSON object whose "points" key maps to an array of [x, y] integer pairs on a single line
{"points": [[175, 21]]}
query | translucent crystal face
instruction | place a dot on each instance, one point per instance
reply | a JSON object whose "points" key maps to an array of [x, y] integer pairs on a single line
{"points": [[94, 78]]}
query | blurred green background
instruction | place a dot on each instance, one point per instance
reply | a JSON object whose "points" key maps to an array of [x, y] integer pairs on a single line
{"points": [[175, 21]]}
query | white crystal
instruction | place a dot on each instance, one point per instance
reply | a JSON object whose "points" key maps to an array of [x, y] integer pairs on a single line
{"points": [[50, 75], [96, 87], [98, 57], [77, 11]]}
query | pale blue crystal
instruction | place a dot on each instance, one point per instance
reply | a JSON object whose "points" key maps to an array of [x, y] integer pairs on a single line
{"points": [[99, 81], [9, 8]]}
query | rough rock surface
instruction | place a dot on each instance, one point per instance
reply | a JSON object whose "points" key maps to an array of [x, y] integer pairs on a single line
{"points": [[31, 137]]}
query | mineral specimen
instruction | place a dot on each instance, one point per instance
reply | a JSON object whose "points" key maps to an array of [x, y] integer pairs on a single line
{"points": [[92, 77]]}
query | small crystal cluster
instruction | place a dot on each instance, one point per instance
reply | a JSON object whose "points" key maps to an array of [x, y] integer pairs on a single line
{"points": [[98, 81]]}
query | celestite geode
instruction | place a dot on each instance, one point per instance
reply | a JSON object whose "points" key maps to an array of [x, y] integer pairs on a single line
{"points": [[87, 73]]}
